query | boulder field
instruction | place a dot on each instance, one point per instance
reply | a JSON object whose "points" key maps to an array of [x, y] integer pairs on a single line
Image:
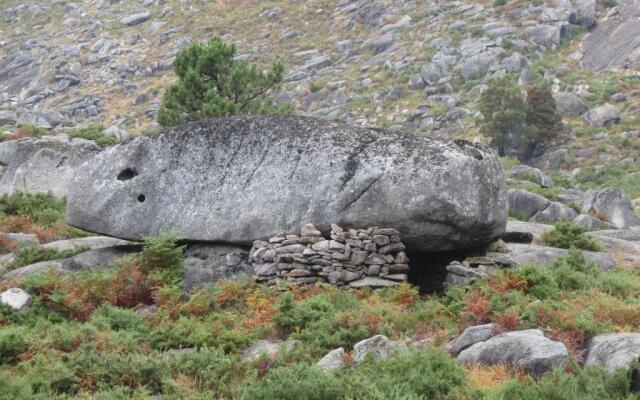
{"points": [[239, 179]]}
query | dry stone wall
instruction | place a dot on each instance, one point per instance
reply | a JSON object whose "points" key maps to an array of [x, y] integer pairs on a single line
{"points": [[372, 257]]}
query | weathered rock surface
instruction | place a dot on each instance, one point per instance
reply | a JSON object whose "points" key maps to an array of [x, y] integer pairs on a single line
{"points": [[238, 179], [516, 230], [528, 350], [376, 347], [613, 350], [611, 205], [569, 104], [332, 360], [615, 42], [96, 258], [267, 348], [604, 115], [48, 164], [15, 298], [526, 204], [471, 336], [527, 173], [207, 263], [530, 254]]}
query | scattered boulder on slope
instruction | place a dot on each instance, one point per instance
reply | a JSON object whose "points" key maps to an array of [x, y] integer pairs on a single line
{"points": [[471, 336], [376, 347], [47, 164], [527, 173], [238, 179], [526, 204], [332, 360], [15, 298], [613, 350], [604, 115], [569, 104], [611, 205], [528, 350]]}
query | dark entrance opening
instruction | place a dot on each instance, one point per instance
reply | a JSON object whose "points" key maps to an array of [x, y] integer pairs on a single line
{"points": [[429, 270], [127, 174]]}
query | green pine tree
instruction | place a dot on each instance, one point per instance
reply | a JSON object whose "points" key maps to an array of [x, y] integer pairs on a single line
{"points": [[503, 110], [212, 83], [543, 121]]}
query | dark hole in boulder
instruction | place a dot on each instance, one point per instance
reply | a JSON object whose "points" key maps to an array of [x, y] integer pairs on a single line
{"points": [[429, 270], [127, 174], [142, 198]]}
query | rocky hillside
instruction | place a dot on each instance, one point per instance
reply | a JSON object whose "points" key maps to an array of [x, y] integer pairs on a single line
{"points": [[319, 256]]}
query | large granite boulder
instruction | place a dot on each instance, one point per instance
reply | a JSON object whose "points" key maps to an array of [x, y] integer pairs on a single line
{"points": [[528, 350], [570, 104], [239, 179], [604, 115], [48, 164]]}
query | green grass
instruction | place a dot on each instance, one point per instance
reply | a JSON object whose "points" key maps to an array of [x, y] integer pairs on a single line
{"points": [[92, 335], [95, 133]]}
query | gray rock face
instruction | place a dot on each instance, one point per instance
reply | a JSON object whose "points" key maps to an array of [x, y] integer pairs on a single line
{"points": [[547, 36], [604, 115], [238, 179], [542, 256], [591, 223], [332, 360], [613, 350], [267, 348], [135, 19], [528, 350], [42, 165], [527, 173], [376, 347], [586, 13], [95, 258], [611, 205], [517, 229], [8, 117], [207, 263], [526, 204], [555, 212], [569, 104], [471, 336], [615, 42]]}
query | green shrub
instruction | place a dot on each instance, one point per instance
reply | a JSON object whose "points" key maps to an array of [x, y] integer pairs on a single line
{"points": [[566, 235], [12, 343], [499, 3], [590, 383], [95, 133], [32, 254], [43, 209], [212, 83], [118, 319], [425, 374], [294, 382], [162, 258]]}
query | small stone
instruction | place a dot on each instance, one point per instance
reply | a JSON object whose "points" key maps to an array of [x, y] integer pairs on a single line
{"points": [[396, 277], [335, 245], [267, 270], [401, 258], [376, 347], [373, 282], [375, 258], [16, 298], [309, 230], [335, 229], [385, 232], [398, 268], [391, 248], [299, 273], [370, 247], [321, 246], [339, 256], [358, 257], [381, 240], [373, 270]]}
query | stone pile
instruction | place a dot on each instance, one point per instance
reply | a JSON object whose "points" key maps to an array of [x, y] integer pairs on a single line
{"points": [[372, 257]]}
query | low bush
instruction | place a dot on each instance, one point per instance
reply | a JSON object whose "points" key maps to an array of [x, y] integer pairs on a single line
{"points": [[95, 133], [568, 235]]}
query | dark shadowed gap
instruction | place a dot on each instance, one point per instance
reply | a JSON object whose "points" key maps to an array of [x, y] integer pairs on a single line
{"points": [[429, 270], [127, 174]]}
